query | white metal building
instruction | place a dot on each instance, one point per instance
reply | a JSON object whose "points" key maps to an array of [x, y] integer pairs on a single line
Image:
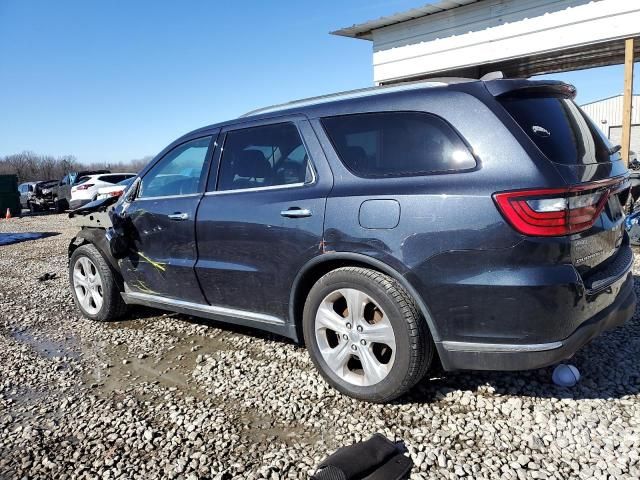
{"points": [[607, 114], [521, 38], [518, 37]]}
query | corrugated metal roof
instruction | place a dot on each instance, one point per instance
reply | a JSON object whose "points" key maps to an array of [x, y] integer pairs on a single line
{"points": [[363, 30], [605, 98], [607, 114]]}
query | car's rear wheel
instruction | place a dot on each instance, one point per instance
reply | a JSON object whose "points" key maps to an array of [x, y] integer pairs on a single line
{"points": [[94, 286], [365, 334]]}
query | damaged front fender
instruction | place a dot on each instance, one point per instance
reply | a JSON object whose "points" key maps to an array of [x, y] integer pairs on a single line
{"points": [[100, 215], [97, 237]]}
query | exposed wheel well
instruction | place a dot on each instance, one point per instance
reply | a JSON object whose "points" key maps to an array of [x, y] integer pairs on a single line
{"points": [[90, 236], [76, 243]]}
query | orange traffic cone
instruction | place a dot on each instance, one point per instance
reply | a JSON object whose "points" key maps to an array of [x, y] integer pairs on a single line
{"points": [[7, 215]]}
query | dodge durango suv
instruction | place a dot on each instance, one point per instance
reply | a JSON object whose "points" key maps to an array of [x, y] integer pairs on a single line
{"points": [[476, 222]]}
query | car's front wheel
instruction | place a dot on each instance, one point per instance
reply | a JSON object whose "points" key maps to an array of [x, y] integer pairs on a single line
{"points": [[94, 286], [365, 334]]}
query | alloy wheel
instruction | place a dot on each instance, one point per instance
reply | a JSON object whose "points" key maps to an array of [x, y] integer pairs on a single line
{"points": [[355, 337], [87, 284]]}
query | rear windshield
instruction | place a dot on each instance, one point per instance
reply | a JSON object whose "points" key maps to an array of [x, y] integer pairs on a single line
{"points": [[563, 132], [81, 180], [396, 144], [114, 178]]}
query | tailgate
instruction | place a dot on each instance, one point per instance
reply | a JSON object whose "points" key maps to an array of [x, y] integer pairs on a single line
{"points": [[602, 253], [597, 182]]}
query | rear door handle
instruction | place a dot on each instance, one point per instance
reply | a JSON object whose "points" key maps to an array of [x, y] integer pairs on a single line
{"points": [[296, 213], [179, 216]]}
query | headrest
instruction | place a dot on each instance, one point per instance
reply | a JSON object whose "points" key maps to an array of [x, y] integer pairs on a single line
{"points": [[252, 164]]}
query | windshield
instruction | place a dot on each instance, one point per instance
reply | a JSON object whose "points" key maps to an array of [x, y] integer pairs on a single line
{"points": [[563, 132]]}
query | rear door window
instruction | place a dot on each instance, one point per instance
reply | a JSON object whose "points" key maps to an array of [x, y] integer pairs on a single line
{"points": [[395, 144], [264, 156], [563, 132]]}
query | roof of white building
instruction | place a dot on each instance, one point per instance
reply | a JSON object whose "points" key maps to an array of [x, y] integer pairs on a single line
{"points": [[521, 38], [605, 99], [363, 30]]}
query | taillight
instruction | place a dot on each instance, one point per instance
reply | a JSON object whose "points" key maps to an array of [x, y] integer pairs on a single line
{"points": [[84, 186], [556, 211], [116, 193]]}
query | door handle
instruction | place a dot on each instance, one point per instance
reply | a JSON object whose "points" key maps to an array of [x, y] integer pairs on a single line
{"points": [[179, 216], [296, 212]]}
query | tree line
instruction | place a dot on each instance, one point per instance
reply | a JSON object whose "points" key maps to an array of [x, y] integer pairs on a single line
{"points": [[30, 166]]}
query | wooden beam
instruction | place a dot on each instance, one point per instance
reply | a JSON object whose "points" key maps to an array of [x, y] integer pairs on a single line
{"points": [[627, 99]]}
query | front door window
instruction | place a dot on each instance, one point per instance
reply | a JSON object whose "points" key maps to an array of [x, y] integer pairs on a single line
{"points": [[180, 172]]}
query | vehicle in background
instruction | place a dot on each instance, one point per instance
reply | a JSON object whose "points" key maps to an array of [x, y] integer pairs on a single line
{"points": [[384, 229], [62, 192], [114, 191], [634, 177], [86, 188], [27, 192], [43, 198], [37, 196]]}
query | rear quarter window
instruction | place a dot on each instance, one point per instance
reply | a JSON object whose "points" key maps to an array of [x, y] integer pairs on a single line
{"points": [[397, 144], [560, 130]]}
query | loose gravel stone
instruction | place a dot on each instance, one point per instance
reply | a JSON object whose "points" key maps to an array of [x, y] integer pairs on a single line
{"points": [[161, 395]]}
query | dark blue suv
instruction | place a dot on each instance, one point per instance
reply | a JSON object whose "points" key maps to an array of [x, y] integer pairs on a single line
{"points": [[477, 221]]}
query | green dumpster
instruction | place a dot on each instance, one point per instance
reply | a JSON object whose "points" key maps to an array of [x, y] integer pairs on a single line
{"points": [[9, 196]]}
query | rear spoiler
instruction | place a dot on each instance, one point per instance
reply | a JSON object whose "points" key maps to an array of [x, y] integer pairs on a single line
{"points": [[514, 88]]}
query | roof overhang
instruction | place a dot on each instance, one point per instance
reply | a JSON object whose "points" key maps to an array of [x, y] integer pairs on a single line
{"points": [[364, 30], [518, 37]]}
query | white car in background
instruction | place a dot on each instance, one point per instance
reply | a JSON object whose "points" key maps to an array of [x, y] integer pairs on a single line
{"points": [[86, 188], [115, 190]]}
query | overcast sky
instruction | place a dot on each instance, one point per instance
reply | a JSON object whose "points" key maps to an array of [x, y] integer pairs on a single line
{"points": [[117, 80]]}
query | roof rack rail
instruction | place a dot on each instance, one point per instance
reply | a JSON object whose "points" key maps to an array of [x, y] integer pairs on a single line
{"points": [[360, 92]]}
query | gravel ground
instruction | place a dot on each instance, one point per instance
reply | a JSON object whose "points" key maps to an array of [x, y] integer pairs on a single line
{"points": [[170, 396]]}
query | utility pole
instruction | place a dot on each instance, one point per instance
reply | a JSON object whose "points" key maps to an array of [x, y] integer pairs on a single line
{"points": [[627, 101]]}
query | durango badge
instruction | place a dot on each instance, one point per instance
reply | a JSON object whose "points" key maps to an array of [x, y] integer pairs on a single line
{"points": [[541, 131]]}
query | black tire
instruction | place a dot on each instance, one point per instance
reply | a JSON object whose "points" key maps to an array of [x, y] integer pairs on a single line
{"points": [[113, 307], [32, 207], [414, 344], [57, 206]]}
